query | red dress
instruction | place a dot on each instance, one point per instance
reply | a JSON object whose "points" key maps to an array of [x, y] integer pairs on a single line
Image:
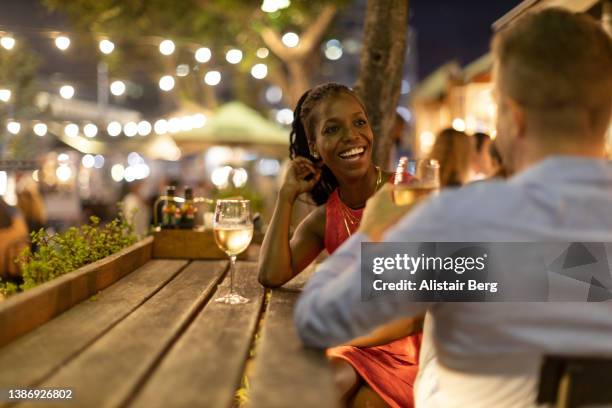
{"points": [[389, 369]]}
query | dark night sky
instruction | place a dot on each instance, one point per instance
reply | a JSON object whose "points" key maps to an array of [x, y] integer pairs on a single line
{"points": [[453, 29]]}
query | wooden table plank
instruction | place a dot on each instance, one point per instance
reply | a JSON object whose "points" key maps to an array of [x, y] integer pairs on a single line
{"points": [[108, 372], [284, 372], [205, 366], [29, 359]]}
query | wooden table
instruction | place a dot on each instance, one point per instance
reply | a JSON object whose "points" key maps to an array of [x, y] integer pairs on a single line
{"points": [[156, 338]]}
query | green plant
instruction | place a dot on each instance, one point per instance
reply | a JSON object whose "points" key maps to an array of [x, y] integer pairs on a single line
{"points": [[64, 252]]}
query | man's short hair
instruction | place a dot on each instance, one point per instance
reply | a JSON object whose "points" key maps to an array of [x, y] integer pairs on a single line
{"points": [[554, 61]]}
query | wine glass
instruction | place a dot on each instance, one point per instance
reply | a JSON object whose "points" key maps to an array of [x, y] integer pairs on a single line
{"points": [[415, 179], [233, 230]]}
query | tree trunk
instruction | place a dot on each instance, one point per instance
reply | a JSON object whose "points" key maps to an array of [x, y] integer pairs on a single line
{"points": [[380, 73]]}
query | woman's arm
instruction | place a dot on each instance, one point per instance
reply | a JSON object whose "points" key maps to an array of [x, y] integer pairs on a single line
{"points": [[281, 259]]}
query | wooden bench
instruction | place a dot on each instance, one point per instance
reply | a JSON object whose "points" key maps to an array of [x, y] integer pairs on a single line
{"points": [[156, 338]]}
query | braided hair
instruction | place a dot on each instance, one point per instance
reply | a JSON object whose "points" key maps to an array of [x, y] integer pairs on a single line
{"points": [[303, 134]]}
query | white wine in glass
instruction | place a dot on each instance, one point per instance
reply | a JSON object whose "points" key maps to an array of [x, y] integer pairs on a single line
{"points": [[415, 180], [233, 229]]}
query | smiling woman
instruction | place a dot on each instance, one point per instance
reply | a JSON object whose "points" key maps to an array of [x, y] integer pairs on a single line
{"points": [[331, 152]]}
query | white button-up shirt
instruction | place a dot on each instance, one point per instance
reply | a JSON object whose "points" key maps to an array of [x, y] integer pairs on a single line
{"points": [[480, 354]]}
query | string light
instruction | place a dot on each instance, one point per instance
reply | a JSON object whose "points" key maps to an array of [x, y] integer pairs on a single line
{"points": [[333, 50], [62, 42], [212, 78], [90, 130], [167, 47], [290, 39], [66, 91], [161, 126], [284, 116], [203, 55], [117, 88], [182, 70], [63, 173], [113, 129], [259, 71], [272, 6], [166, 83], [458, 124], [262, 53], [7, 42], [13, 127], [40, 129], [106, 46], [71, 130], [5, 95], [88, 161], [233, 56], [144, 128], [174, 125], [199, 120], [98, 161], [274, 94], [117, 172], [130, 129]]}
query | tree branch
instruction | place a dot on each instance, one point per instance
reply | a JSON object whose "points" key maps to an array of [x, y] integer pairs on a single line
{"points": [[274, 43], [312, 36]]}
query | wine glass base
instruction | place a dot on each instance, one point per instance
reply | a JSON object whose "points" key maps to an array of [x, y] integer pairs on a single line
{"points": [[232, 299]]}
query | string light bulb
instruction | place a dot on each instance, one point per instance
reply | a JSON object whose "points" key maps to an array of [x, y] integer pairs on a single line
{"points": [[7, 42], [62, 42], [66, 91], [40, 129], [167, 47], [166, 83], [106, 46], [203, 55], [117, 88]]}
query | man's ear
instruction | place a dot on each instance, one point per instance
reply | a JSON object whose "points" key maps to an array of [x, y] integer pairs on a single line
{"points": [[518, 115]]}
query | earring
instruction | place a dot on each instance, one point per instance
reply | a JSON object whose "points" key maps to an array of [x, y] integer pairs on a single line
{"points": [[315, 155]]}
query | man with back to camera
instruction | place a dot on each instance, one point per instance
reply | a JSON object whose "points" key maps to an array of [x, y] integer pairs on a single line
{"points": [[553, 86]]}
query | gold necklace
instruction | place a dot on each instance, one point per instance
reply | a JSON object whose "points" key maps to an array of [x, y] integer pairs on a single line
{"points": [[347, 215]]}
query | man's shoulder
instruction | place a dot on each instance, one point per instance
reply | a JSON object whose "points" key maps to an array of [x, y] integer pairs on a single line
{"points": [[477, 199]]}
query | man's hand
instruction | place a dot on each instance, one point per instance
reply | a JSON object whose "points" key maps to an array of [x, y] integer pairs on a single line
{"points": [[381, 213]]}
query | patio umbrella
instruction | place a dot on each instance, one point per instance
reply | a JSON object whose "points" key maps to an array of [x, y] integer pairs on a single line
{"points": [[235, 124]]}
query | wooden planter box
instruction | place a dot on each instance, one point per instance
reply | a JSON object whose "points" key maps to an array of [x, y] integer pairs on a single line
{"points": [[190, 244]]}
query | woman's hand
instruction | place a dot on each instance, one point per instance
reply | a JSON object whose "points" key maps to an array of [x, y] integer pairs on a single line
{"points": [[301, 177]]}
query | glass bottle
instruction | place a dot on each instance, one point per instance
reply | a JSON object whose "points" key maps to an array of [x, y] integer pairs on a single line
{"points": [[188, 210], [169, 210]]}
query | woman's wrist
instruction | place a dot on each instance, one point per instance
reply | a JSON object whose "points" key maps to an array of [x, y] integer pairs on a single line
{"points": [[287, 195]]}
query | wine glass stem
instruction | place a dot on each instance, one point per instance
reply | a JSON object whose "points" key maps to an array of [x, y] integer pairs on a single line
{"points": [[232, 268]]}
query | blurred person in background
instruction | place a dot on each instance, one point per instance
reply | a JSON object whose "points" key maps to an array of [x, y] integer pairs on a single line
{"points": [[397, 132], [483, 166], [13, 238], [497, 164], [30, 203], [454, 151], [136, 209]]}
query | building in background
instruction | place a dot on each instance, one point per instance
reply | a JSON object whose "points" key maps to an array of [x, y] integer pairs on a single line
{"points": [[461, 97]]}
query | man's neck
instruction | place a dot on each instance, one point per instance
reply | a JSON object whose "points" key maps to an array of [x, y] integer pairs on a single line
{"points": [[532, 155]]}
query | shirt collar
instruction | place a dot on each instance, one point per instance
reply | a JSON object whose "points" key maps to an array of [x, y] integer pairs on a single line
{"points": [[567, 169]]}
